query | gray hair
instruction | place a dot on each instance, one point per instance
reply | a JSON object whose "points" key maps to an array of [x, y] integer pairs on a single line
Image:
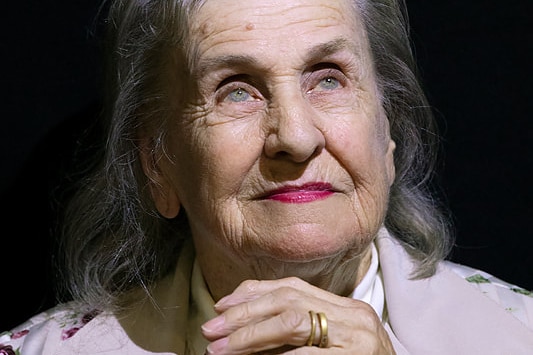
{"points": [[113, 239]]}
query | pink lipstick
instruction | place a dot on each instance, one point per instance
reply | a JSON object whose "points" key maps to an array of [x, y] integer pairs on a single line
{"points": [[301, 194]]}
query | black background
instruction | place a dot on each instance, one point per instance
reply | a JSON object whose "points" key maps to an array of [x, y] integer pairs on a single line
{"points": [[476, 65]]}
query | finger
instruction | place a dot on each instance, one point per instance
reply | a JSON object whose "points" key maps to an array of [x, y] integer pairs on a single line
{"points": [[354, 329], [252, 289], [353, 325], [288, 328], [254, 311], [247, 313]]}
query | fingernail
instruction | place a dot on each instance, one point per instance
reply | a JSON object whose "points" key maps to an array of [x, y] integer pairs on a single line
{"points": [[221, 301], [213, 325], [217, 347]]}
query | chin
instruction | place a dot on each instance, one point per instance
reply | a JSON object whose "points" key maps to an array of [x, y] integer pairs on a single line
{"points": [[308, 250]]}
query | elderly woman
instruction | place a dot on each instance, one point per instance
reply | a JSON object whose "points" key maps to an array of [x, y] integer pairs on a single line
{"points": [[264, 189]]}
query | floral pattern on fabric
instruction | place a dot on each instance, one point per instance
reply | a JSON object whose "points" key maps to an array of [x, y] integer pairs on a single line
{"points": [[479, 279], [70, 321], [498, 290], [74, 322], [522, 291], [8, 350]]}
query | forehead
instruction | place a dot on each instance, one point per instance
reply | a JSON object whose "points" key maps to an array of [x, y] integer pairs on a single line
{"points": [[277, 25]]}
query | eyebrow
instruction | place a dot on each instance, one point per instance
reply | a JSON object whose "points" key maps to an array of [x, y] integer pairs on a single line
{"points": [[225, 61], [328, 48], [234, 60]]}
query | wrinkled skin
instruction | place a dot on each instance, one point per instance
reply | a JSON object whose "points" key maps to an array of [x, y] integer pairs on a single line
{"points": [[283, 162]]}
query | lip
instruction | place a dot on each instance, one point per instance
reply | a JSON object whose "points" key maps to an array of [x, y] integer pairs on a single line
{"points": [[301, 194]]}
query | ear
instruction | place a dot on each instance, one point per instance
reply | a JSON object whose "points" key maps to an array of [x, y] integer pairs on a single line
{"points": [[389, 161], [163, 194]]}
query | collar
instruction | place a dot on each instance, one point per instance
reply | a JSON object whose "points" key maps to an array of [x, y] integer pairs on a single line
{"points": [[370, 289]]}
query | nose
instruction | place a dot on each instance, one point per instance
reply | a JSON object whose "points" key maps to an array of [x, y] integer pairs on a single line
{"points": [[294, 132]]}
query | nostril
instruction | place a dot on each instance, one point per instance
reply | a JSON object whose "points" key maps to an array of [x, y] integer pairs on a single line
{"points": [[296, 150]]}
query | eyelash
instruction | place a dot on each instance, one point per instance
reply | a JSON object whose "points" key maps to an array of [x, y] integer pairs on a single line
{"points": [[233, 84], [236, 88], [325, 71], [317, 76]]}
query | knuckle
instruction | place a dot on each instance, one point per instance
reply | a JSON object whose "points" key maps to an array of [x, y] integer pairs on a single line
{"points": [[295, 282], [287, 293], [369, 317], [238, 316], [292, 321], [250, 286]]}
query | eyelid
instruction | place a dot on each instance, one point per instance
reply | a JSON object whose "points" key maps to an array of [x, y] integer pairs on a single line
{"points": [[324, 65], [234, 82], [321, 71], [233, 78], [327, 69]]}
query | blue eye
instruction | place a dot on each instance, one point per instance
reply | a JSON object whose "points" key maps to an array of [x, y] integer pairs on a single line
{"points": [[238, 95], [329, 83]]}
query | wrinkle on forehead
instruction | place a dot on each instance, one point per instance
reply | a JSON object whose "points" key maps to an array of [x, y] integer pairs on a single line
{"points": [[215, 15], [320, 50], [221, 22]]}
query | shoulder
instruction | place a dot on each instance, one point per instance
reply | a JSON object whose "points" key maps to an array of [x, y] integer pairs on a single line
{"points": [[475, 290], [70, 328], [47, 330], [513, 298], [479, 277]]}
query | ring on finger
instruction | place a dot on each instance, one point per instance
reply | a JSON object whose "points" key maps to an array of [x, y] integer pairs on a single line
{"points": [[323, 323], [311, 339]]}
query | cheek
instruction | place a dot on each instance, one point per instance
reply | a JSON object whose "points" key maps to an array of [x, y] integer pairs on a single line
{"points": [[216, 159], [362, 152], [353, 144]]}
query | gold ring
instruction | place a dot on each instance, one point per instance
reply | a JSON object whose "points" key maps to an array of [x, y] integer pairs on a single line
{"points": [[311, 338], [323, 322]]}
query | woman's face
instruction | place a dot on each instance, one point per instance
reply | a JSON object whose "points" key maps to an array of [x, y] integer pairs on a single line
{"points": [[284, 152]]}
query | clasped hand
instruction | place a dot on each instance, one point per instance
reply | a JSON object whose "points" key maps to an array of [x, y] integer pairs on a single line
{"points": [[272, 317]]}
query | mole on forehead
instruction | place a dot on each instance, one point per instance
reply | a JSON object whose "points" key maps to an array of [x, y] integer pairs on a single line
{"points": [[207, 28]]}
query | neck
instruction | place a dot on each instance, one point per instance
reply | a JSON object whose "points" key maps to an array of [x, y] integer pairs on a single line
{"points": [[339, 274], [155, 322]]}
